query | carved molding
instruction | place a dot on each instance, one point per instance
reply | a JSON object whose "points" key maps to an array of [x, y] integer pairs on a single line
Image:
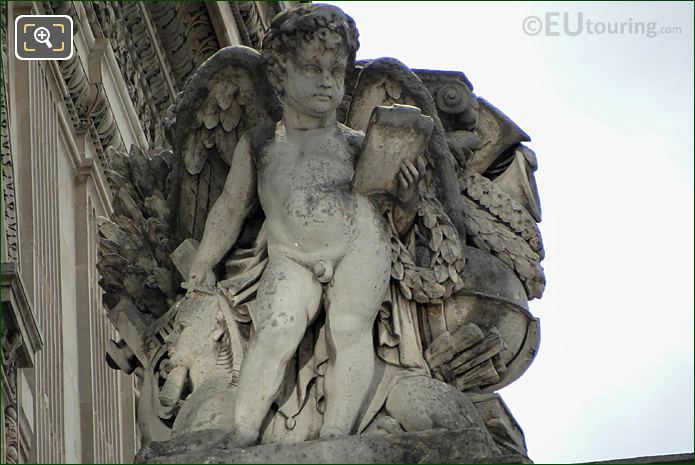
{"points": [[157, 46], [187, 33], [87, 103], [125, 27], [249, 23], [9, 208]]}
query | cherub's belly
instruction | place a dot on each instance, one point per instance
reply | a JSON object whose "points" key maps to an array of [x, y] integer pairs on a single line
{"points": [[318, 219], [318, 224]]}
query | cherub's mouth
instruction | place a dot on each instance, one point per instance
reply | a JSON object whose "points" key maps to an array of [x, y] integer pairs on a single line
{"points": [[323, 97]]}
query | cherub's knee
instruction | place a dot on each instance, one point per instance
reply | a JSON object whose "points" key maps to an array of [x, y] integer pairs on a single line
{"points": [[352, 334], [278, 341]]}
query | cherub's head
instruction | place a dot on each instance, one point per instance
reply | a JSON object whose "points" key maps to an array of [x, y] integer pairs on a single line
{"points": [[307, 51]]}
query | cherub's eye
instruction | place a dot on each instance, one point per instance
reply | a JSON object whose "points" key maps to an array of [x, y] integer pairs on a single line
{"points": [[338, 71], [312, 69]]}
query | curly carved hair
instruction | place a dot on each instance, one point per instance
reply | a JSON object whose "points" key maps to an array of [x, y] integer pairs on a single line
{"points": [[302, 24]]}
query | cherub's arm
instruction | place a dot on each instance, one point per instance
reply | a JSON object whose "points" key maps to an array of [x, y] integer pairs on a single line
{"points": [[227, 216]]}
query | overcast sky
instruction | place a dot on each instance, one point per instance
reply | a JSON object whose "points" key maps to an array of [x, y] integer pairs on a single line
{"points": [[611, 118]]}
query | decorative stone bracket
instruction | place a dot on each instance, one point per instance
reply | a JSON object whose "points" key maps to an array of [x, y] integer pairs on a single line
{"points": [[21, 340]]}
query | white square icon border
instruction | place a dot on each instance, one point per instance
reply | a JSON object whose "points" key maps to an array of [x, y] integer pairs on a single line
{"points": [[16, 43]]}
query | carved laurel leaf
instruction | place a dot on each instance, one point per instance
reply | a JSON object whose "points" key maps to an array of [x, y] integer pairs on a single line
{"points": [[397, 271], [504, 207], [505, 243], [405, 289], [437, 237], [453, 273], [434, 281], [441, 272]]}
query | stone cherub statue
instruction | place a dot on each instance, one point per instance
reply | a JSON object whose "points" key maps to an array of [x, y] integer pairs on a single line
{"points": [[320, 309], [319, 230]]}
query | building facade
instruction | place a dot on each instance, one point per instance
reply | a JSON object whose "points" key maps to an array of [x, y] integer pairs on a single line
{"points": [[60, 400]]}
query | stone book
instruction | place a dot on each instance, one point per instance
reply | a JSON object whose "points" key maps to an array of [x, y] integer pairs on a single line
{"points": [[394, 134]]}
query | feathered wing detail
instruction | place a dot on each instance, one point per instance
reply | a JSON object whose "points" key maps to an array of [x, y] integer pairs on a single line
{"points": [[134, 245], [500, 225], [228, 95], [162, 198], [432, 274]]}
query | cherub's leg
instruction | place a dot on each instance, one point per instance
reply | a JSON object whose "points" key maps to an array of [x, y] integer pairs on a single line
{"points": [[352, 302], [288, 296]]}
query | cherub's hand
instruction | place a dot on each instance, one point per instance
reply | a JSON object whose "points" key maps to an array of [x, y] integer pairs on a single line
{"points": [[201, 274], [408, 179]]}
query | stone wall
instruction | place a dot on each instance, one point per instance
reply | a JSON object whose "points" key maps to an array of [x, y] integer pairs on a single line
{"points": [[63, 403]]}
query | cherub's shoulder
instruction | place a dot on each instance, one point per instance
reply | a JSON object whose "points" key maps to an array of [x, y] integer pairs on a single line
{"points": [[353, 136], [258, 136]]}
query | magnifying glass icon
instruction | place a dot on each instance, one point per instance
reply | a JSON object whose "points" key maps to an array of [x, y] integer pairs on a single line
{"points": [[42, 36]]}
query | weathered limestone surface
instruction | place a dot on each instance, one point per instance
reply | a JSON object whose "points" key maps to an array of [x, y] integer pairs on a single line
{"points": [[466, 446]]}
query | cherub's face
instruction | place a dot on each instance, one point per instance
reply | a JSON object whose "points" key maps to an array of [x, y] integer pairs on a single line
{"points": [[315, 79]]}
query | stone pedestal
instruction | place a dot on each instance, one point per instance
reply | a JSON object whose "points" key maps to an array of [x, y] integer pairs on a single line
{"points": [[471, 445]]}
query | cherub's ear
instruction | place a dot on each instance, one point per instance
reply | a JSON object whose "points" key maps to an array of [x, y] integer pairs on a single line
{"points": [[277, 80], [277, 74]]}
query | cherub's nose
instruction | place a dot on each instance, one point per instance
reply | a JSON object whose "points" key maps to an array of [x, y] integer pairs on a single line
{"points": [[326, 80]]}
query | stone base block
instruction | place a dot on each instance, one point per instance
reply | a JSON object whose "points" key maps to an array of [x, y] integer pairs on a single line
{"points": [[439, 446]]}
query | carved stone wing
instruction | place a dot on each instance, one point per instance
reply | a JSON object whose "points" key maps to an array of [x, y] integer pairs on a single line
{"points": [[432, 274], [228, 95], [386, 81]]}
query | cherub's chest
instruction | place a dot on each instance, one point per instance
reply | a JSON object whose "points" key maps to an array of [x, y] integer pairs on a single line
{"points": [[310, 162]]}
